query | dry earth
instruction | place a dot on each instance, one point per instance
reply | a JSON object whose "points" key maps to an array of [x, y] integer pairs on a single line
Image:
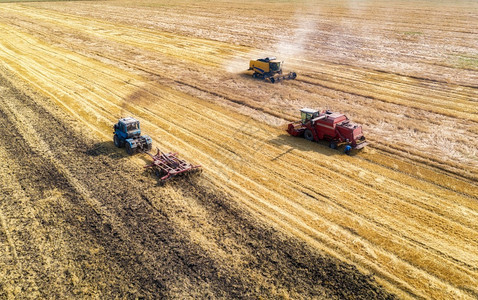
{"points": [[271, 216]]}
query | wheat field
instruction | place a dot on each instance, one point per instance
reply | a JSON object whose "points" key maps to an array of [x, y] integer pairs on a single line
{"points": [[271, 216]]}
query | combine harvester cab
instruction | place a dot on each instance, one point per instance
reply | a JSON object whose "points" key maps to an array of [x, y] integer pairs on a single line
{"points": [[269, 68], [330, 126], [127, 133]]}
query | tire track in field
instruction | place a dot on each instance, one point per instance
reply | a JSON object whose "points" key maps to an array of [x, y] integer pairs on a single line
{"points": [[11, 244]]}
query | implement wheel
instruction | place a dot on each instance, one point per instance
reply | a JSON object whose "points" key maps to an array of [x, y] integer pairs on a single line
{"points": [[158, 172], [308, 135]]}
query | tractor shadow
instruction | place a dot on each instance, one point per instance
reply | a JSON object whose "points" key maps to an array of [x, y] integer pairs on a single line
{"points": [[110, 151], [303, 145], [106, 149]]}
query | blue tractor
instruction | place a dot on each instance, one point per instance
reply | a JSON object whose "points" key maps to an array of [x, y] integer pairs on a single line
{"points": [[128, 134]]}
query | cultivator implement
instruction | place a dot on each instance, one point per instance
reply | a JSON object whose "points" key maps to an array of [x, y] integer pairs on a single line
{"points": [[168, 165]]}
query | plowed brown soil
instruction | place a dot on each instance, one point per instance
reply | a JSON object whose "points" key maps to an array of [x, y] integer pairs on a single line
{"points": [[271, 215]]}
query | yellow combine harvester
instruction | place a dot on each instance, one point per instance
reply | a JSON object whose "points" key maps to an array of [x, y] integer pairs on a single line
{"points": [[269, 68]]}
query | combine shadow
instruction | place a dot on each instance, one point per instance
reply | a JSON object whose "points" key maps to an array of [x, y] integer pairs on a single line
{"points": [[247, 76], [303, 145]]}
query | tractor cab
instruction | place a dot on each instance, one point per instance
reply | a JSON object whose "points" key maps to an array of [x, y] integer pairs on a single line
{"points": [[308, 114], [128, 134], [128, 128]]}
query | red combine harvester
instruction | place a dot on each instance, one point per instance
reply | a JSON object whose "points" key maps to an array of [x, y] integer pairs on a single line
{"points": [[331, 126]]}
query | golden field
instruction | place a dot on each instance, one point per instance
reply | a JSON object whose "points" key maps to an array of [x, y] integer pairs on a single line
{"points": [[271, 216]]}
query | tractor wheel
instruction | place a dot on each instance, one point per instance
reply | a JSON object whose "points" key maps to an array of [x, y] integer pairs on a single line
{"points": [[293, 75], [308, 135], [254, 75], [117, 141], [333, 145], [129, 150], [272, 79]]}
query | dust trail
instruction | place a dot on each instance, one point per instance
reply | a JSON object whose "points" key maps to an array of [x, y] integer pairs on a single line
{"points": [[293, 45], [290, 43], [236, 65]]}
